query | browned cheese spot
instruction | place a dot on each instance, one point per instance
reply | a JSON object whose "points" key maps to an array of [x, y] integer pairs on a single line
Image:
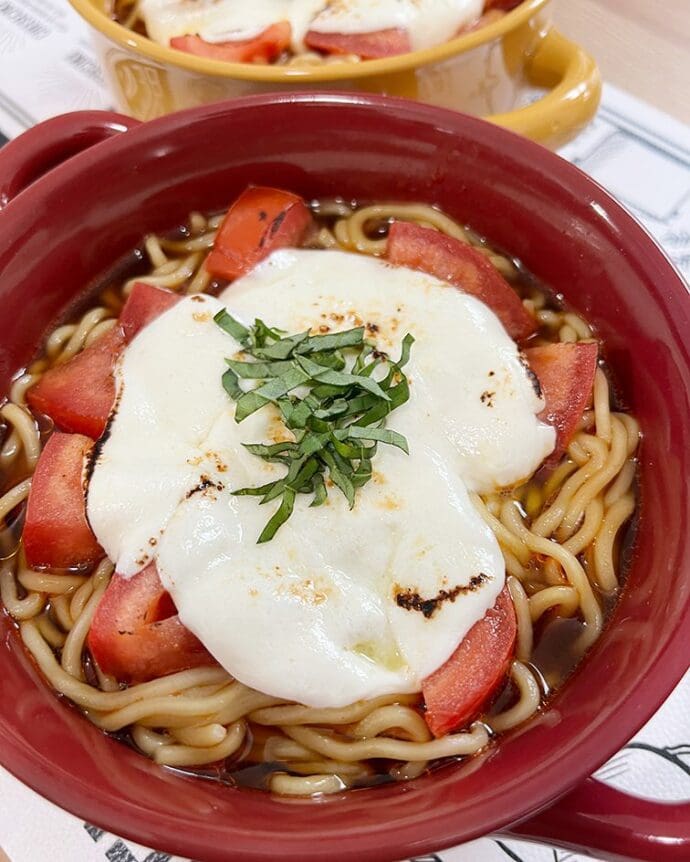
{"points": [[205, 483], [533, 379], [410, 600]]}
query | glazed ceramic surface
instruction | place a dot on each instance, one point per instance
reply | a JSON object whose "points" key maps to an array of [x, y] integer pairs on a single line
{"points": [[65, 221], [492, 71]]}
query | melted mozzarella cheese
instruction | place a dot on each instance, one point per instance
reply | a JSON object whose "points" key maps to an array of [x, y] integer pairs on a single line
{"points": [[169, 396], [227, 20], [323, 613], [428, 22], [478, 394]]}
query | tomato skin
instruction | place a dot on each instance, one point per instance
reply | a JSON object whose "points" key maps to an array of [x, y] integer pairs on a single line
{"points": [[145, 303], [459, 264], [79, 395], [264, 48], [460, 689], [56, 533], [260, 221], [368, 46], [566, 375], [133, 638]]}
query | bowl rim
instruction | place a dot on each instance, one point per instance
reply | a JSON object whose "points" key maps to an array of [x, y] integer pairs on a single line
{"points": [[270, 74], [641, 701]]}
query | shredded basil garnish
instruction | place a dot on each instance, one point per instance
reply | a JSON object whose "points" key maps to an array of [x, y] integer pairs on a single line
{"points": [[337, 419]]}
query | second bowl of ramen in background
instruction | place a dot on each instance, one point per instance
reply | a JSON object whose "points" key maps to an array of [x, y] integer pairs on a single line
{"points": [[495, 70]]}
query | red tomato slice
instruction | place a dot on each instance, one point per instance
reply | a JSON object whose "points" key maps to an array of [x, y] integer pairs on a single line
{"points": [[136, 634], [79, 395], [566, 376], [56, 532], [264, 48], [461, 265], [461, 688], [260, 221], [144, 304], [368, 46]]}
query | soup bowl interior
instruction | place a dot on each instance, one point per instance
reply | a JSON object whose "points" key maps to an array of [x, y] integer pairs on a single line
{"points": [[61, 235]]}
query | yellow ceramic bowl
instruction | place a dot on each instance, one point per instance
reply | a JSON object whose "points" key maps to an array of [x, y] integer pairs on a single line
{"points": [[495, 71]]}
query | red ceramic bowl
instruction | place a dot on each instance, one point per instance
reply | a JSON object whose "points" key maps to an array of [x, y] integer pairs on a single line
{"points": [[82, 210]]}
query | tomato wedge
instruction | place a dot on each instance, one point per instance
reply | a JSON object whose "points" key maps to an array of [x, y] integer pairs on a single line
{"points": [[368, 46], [260, 221], [264, 48], [136, 634], [566, 376], [461, 265], [79, 395], [145, 303], [461, 688], [56, 533]]}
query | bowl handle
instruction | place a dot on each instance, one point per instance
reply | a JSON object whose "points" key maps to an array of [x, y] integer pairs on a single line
{"points": [[596, 818], [574, 85], [47, 145]]}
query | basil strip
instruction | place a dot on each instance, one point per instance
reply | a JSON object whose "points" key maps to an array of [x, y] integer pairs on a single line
{"points": [[334, 341], [255, 399], [269, 452], [381, 435], [231, 385], [339, 477], [233, 327], [284, 511], [320, 492], [407, 343], [259, 370], [336, 420], [281, 349], [340, 378], [261, 333], [286, 482]]}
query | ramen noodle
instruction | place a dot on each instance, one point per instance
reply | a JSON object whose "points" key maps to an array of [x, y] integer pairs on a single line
{"points": [[563, 533]]}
